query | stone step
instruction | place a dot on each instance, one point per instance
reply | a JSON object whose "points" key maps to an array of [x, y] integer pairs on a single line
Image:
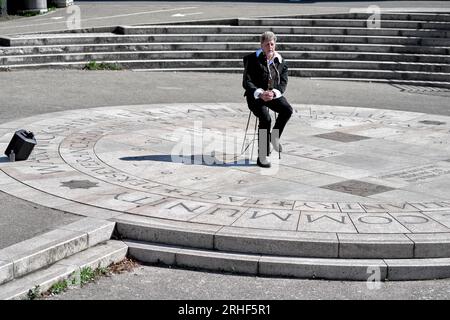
{"points": [[343, 23], [412, 83], [369, 74], [423, 83], [224, 66], [30, 255], [370, 65], [99, 256], [57, 52], [288, 243], [406, 77], [128, 59], [161, 38], [213, 29], [296, 267], [407, 16], [220, 46]]}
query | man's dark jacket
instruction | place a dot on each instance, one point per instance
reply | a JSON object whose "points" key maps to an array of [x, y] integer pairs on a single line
{"points": [[256, 74]]}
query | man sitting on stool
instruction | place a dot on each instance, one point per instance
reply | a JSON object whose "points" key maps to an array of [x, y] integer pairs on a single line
{"points": [[265, 80]]}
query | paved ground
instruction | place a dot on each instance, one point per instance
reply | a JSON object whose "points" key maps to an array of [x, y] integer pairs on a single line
{"points": [[107, 13], [109, 156], [21, 220], [75, 90], [161, 283], [65, 90]]}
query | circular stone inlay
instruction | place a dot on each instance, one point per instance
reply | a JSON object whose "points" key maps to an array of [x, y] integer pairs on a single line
{"points": [[342, 169]]}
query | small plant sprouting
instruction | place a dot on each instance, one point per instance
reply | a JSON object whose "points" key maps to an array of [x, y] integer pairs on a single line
{"points": [[58, 287], [34, 293], [94, 65], [81, 277], [86, 275]]}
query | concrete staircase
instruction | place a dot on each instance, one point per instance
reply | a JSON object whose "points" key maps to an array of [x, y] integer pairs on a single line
{"points": [[360, 257], [412, 48], [54, 256]]}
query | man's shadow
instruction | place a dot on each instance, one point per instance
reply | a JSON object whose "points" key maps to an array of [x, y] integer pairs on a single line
{"points": [[204, 160]]}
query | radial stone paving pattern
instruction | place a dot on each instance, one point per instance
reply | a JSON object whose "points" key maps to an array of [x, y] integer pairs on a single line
{"points": [[351, 182]]}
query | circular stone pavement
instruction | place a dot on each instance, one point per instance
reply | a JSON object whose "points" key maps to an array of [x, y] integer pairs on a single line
{"points": [[343, 170]]}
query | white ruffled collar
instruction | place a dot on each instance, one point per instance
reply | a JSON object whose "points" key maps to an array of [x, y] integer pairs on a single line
{"points": [[276, 55]]}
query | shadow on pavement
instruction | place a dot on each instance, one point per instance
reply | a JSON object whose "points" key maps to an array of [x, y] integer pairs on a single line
{"points": [[205, 160]]}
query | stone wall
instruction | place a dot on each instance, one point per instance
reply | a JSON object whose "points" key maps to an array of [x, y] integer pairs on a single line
{"points": [[11, 6], [60, 3], [3, 7]]}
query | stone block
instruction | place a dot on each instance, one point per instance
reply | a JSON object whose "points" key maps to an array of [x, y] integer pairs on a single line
{"points": [[167, 235], [100, 256], [335, 269], [96, 229], [43, 250], [6, 271], [224, 262], [150, 253], [375, 246], [418, 269], [45, 278], [272, 242], [431, 245], [61, 3]]}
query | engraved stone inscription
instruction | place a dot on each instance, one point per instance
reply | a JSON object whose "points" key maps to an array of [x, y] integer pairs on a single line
{"points": [[79, 184], [319, 221], [116, 159], [269, 219], [432, 122], [341, 136], [356, 187], [316, 206], [418, 174], [308, 151]]}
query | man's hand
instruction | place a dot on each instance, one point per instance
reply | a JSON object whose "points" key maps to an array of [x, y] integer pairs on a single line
{"points": [[267, 95]]}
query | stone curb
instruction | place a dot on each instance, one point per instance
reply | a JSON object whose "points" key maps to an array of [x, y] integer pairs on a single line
{"points": [[208, 29], [200, 38], [234, 248], [285, 243], [349, 74], [311, 268], [409, 33], [126, 51], [39, 252], [99, 256], [141, 59]]}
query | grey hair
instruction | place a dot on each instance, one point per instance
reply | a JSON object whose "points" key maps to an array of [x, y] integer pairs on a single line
{"points": [[268, 36]]}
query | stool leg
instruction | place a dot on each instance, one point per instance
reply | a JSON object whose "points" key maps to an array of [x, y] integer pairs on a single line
{"points": [[279, 152], [255, 134], [245, 134]]}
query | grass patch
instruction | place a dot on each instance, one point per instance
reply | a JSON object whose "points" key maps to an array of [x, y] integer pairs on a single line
{"points": [[94, 65], [28, 14], [83, 277], [35, 13], [58, 287], [88, 274], [34, 293]]}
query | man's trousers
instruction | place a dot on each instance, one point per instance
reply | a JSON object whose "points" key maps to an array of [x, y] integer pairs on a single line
{"points": [[260, 109]]}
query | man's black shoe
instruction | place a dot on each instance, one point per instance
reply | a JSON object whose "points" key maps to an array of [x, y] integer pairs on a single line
{"points": [[264, 163]]}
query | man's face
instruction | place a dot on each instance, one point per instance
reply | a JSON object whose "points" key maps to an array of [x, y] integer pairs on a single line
{"points": [[268, 47]]}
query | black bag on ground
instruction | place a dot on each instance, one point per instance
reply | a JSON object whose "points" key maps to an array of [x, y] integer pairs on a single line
{"points": [[22, 144]]}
